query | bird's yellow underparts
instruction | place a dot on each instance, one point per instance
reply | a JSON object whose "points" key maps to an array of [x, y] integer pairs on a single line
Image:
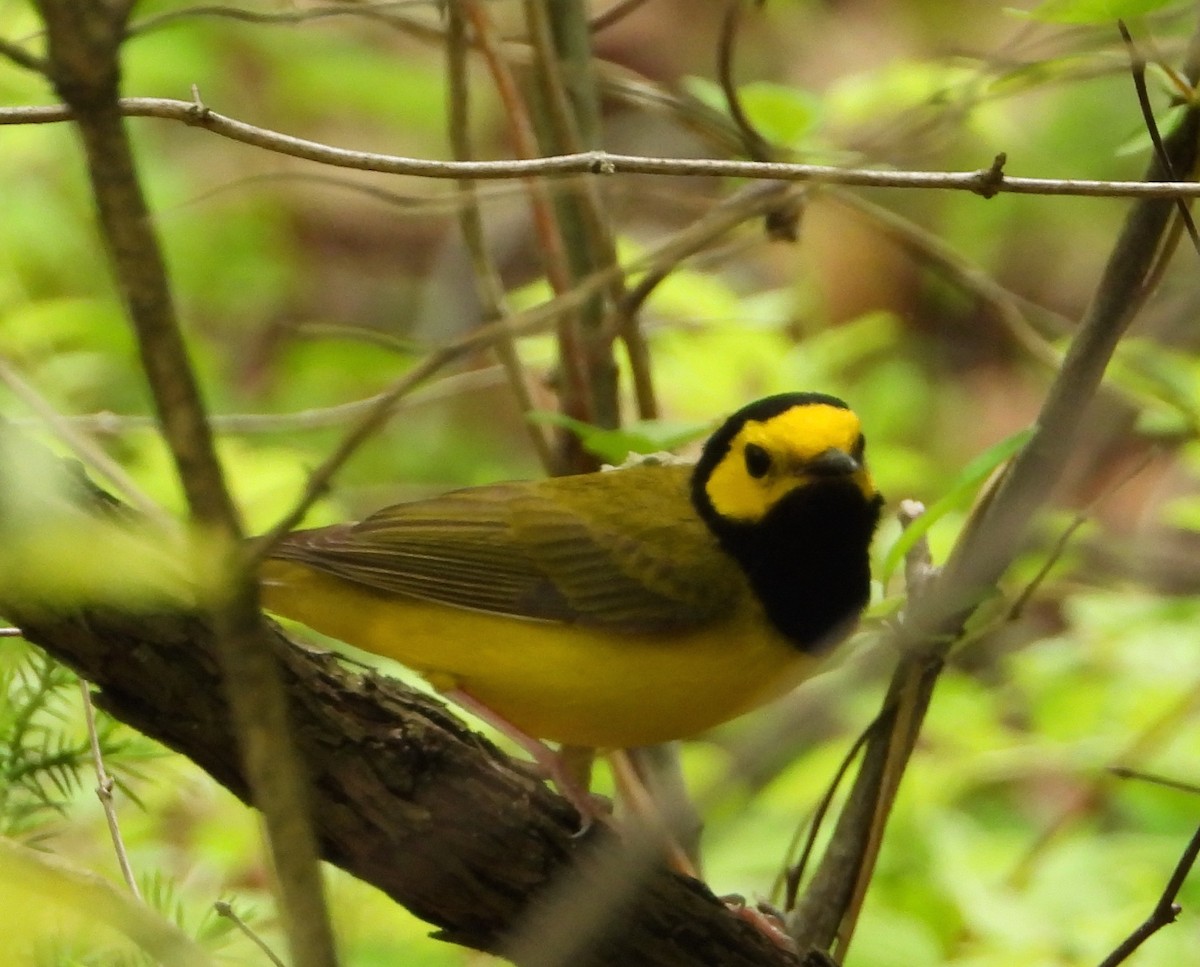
{"points": [[613, 609]]}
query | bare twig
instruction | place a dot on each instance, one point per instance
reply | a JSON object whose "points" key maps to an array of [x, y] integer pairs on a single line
{"points": [[225, 909], [104, 792], [1164, 728], [982, 181], [574, 110], [790, 877], [1137, 68], [1124, 772], [378, 414], [569, 108], [317, 418], [1164, 912], [933, 251], [756, 146], [386, 11], [1063, 539], [22, 58], [904, 719], [618, 11], [488, 286], [553, 254]]}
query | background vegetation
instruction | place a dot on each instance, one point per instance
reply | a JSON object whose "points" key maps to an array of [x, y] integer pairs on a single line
{"points": [[940, 315]]}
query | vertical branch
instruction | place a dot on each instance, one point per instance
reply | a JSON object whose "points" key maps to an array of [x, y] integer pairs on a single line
{"points": [[569, 99], [83, 42], [574, 365], [992, 538], [104, 792], [487, 279]]}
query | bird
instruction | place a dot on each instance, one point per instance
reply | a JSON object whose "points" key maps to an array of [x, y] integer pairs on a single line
{"points": [[613, 609]]}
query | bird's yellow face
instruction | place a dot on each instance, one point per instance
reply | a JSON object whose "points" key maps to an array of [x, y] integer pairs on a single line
{"points": [[768, 459]]}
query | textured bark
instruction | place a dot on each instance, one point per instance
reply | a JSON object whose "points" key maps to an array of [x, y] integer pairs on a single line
{"points": [[406, 797]]}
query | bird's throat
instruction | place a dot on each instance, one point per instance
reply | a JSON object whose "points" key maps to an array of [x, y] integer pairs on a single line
{"points": [[807, 560]]}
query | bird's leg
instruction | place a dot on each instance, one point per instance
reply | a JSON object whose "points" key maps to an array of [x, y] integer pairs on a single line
{"points": [[558, 770], [636, 796]]}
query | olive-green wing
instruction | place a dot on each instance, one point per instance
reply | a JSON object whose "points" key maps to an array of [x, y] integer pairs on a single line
{"points": [[621, 550]]}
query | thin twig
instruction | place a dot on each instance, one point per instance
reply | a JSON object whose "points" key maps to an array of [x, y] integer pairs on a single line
{"points": [[792, 874], [382, 11], [756, 146], [575, 115], [1124, 772], [104, 792], [981, 181], [975, 281], [1137, 68], [569, 109], [379, 413], [1011, 309], [317, 418], [1060, 544], [1164, 728], [1164, 912], [616, 12], [617, 81], [22, 58], [225, 909], [550, 243], [488, 286], [904, 716]]}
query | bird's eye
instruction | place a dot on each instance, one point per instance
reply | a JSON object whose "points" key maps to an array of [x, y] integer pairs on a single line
{"points": [[860, 448], [758, 461]]}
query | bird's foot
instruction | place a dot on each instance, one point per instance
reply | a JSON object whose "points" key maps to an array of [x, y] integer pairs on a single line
{"points": [[592, 808], [763, 917]]}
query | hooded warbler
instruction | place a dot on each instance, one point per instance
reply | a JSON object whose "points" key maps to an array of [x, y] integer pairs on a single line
{"points": [[612, 609]]}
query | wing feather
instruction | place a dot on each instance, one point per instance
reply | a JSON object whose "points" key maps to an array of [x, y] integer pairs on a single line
{"points": [[567, 549]]}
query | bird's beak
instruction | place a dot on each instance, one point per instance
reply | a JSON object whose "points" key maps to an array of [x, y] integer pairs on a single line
{"points": [[832, 463]]}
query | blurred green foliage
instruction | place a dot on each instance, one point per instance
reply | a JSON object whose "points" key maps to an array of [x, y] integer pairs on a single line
{"points": [[305, 290]]}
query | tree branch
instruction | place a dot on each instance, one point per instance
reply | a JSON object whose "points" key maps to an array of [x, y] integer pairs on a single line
{"points": [[983, 181], [405, 796], [992, 538]]}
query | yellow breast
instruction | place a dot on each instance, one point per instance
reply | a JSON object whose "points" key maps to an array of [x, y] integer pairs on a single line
{"points": [[563, 683]]}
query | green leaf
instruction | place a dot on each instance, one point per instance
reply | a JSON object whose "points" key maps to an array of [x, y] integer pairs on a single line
{"points": [[961, 492], [614, 446], [782, 114], [1092, 11], [1141, 142]]}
